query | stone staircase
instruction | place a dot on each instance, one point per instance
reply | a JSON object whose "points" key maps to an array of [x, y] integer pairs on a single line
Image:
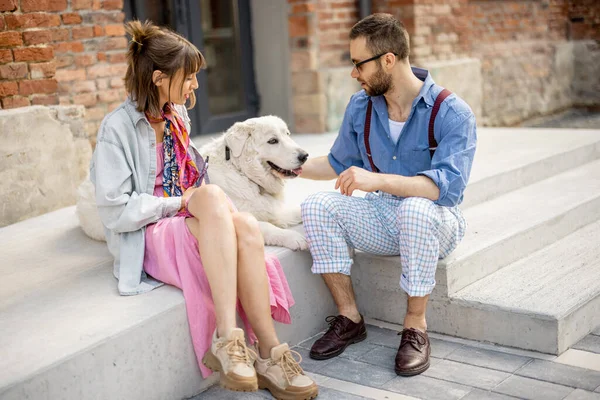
{"points": [[526, 275]]}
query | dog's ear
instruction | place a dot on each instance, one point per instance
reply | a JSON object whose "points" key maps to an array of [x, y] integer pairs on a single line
{"points": [[237, 136]]}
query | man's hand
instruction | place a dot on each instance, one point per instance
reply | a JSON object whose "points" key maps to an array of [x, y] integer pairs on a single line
{"points": [[357, 178]]}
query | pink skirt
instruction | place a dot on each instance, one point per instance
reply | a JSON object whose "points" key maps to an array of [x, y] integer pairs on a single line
{"points": [[172, 257]]}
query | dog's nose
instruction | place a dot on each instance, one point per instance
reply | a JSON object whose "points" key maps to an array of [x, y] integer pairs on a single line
{"points": [[302, 156]]}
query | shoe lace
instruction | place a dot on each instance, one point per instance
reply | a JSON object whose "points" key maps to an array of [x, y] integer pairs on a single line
{"points": [[335, 322], [412, 337], [238, 351], [290, 366]]}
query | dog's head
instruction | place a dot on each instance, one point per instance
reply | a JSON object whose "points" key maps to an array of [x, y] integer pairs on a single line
{"points": [[261, 148]]}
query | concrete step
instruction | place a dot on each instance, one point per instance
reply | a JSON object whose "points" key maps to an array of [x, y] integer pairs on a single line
{"points": [[500, 231], [547, 301], [66, 333]]}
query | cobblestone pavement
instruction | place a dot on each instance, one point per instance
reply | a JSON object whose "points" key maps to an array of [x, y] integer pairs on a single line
{"points": [[573, 118], [460, 369]]}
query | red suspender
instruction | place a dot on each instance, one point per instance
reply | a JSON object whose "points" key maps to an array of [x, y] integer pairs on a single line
{"points": [[436, 107], [432, 142]]}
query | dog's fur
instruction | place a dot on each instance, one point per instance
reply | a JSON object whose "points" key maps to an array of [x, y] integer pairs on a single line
{"points": [[248, 178]]}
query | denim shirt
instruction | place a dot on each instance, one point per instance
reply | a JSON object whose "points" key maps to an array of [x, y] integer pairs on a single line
{"points": [[454, 131], [123, 171]]}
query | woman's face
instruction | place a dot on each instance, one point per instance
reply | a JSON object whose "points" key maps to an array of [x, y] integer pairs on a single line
{"points": [[170, 88]]}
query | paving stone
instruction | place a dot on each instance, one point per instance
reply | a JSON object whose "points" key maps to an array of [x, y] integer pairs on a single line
{"points": [[307, 344], [526, 388], [384, 337], [358, 372], [465, 374], [589, 343], [579, 394], [562, 374], [424, 387], [308, 364], [218, 393], [385, 357], [355, 351], [488, 358], [443, 348], [478, 394], [331, 394]]}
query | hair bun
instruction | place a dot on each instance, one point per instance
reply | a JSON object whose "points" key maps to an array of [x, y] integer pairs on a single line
{"points": [[140, 32]]}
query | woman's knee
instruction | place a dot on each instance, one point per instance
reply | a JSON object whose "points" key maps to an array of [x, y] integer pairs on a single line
{"points": [[247, 229], [209, 199]]}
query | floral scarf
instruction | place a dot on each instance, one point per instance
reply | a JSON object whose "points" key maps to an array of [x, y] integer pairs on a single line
{"points": [[180, 170]]}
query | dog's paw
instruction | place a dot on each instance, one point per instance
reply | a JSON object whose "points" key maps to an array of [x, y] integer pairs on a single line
{"points": [[288, 218], [288, 238]]}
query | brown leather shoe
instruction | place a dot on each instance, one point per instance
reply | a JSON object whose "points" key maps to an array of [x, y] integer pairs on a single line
{"points": [[342, 333], [413, 353]]}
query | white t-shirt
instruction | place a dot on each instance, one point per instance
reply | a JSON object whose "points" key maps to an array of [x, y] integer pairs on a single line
{"points": [[395, 129]]}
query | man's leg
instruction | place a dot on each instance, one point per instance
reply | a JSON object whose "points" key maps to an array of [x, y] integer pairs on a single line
{"points": [[332, 223], [427, 233]]}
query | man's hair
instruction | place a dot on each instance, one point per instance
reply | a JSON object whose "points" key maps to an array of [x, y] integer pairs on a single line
{"points": [[384, 33], [154, 48]]}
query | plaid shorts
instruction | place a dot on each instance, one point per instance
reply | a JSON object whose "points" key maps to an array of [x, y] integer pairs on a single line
{"points": [[415, 228]]}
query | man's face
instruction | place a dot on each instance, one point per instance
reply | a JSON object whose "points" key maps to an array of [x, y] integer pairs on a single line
{"points": [[371, 75]]}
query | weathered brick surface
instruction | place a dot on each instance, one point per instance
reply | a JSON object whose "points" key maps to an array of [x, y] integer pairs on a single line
{"points": [[63, 52]]}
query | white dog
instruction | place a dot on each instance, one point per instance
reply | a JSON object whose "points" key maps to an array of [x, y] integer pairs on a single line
{"points": [[250, 162]]}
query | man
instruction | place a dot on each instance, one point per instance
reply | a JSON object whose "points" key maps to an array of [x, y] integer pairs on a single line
{"points": [[413, 188]]}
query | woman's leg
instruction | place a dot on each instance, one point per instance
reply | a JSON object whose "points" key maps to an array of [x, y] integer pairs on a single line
{"points": [[213, 228], [253, 289]]}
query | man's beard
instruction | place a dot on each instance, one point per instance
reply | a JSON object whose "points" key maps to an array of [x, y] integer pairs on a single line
{"points": [[380, 83]]}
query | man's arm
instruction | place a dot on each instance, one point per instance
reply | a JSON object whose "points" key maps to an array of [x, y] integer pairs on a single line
{"points": [[404, 186], [318, 168]]}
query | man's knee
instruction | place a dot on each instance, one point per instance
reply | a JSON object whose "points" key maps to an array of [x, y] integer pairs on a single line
{"points": [[417, 211], [319, 203]]}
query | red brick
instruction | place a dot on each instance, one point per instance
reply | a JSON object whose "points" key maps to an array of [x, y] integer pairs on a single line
{"points": [[42, 70], [14, 102], [104, 17], [64, 60], [86, 99], [60, 35], [43, 5], [303, 8], [297, 26], [115, 58], [37, 37], [71, 18], [82, 86], [44, 99], [47, 86], [102, 84], [13, 71], [98, 30], [66, 47], [117, 83], [68, 75], [101, 56], [2, 23], [112, 5], [95, 113], [8, 89], [31, 20], [96, 5], [82, 32], [83, 60], [10, 39], [33, 54], [114, 30], [109, 95], [81, 4], [112, 43], [5, 56], [8, 5]]}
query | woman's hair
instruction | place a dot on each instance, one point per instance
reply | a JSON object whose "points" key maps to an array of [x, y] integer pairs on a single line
{"points": [[153, 48], [383, 33]]}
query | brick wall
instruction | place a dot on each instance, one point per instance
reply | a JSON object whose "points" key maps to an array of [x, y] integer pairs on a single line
{"points": [[529, 51], [63, 52]]}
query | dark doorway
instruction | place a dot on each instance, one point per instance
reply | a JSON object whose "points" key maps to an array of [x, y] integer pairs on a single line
{"points": [[221, 30]]}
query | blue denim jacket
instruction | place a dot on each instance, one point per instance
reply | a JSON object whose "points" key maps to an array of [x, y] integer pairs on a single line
{"points": [[123, 170], [454, 131]]}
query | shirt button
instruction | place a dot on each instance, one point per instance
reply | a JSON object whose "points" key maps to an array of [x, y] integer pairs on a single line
{"points": [[393, 158]]}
